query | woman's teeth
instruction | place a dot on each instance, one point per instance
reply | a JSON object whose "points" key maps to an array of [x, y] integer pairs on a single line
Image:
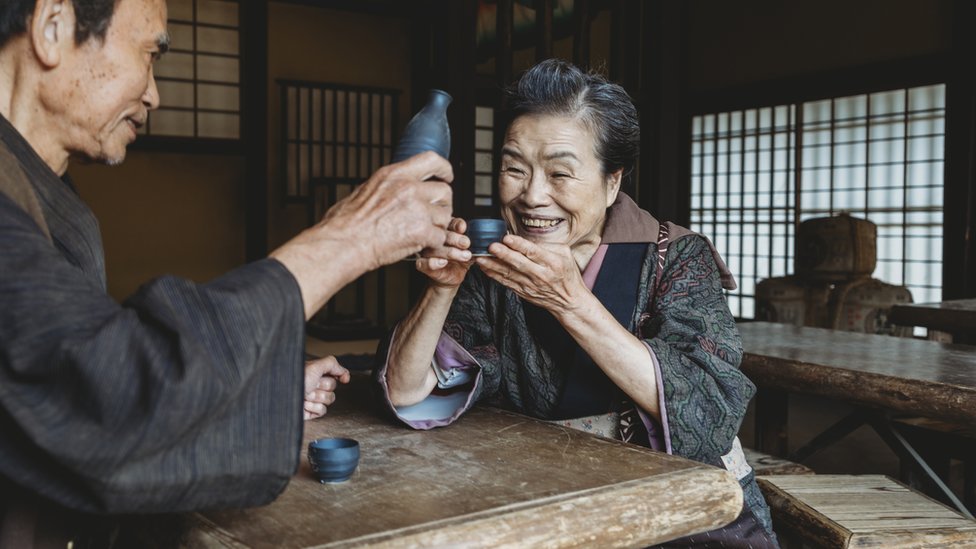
{"points": [[539, 223]]}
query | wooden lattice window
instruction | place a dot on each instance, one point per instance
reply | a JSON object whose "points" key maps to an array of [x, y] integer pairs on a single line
{"points": [[757, 173], [333, 137], [199, 79]]}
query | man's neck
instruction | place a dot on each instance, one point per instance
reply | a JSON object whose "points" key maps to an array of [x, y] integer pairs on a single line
{"points": [[22, 106]]}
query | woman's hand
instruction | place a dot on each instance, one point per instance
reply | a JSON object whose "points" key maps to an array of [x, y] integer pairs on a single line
{"points": [[322, 376], [445, 273], [546, 276]]}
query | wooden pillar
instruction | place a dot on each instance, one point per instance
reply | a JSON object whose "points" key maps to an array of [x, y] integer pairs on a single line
{"points": [[543, 29], [581, 33], [254, 126], [664, 185], [959, 238], [503, 42], [460, 68], [625, 54]]}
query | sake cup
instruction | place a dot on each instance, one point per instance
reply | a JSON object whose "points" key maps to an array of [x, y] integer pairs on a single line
{"points": [[333, 459], [482, 232]]}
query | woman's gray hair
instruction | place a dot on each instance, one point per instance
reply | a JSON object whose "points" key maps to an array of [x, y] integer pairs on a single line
{"points": [[557, 88]]}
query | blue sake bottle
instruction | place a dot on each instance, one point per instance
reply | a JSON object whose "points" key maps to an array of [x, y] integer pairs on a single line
{"points": [[427, 130]]}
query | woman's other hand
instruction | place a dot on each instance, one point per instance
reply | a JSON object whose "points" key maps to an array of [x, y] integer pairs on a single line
{"points": [[322, 376], [449, 273], [545, 275]]}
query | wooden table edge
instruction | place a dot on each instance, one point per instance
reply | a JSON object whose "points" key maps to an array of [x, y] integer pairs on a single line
{"points": [[716, 496]]}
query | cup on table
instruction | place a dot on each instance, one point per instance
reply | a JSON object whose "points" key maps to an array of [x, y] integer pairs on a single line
{"points": [[482, 232], [333, 459]]}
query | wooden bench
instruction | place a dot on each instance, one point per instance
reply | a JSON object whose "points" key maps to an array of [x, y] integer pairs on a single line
{"points": [[939, 442], [766, 464], [860, 511]]}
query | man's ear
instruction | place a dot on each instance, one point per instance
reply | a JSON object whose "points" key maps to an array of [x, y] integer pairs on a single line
{"points": [[613, 186], [51, 28]]}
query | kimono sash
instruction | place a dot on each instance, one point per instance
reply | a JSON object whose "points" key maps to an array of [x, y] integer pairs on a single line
{"points": [[588, 390]]}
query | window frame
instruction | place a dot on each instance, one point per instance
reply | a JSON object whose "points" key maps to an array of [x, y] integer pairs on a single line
{"points": [[901, 74], [205, 145]]}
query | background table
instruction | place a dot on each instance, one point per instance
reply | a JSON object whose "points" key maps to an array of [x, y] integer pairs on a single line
{"points": [[882, 374], [493, 479], [957, 317]]}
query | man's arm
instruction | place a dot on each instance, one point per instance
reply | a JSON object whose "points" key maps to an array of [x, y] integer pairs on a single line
{"points": [[397, 212]]}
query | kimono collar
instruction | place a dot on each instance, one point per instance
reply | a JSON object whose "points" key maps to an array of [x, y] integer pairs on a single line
{"points": [[15, 183], [628, 223]]}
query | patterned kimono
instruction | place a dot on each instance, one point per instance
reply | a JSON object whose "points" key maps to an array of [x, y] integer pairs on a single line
{"points": [[499, 349], [185, 396]]}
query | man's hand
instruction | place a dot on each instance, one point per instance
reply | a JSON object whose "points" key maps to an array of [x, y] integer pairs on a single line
{"points": [[394, 214], [322, 376], [402, 209]]}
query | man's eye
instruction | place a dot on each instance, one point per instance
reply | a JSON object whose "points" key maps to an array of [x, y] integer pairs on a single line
{"points": [[514, 170]]}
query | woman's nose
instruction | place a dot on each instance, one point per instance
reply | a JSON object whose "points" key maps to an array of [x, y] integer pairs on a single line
{"points": [[536, 192]]}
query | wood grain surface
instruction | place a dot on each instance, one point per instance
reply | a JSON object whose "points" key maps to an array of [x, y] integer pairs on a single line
{"points": [[493, 479], [863, 511], [901, 375]]}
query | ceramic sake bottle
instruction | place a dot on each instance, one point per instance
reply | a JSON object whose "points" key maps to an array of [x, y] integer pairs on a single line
{"points": [[427, 130]]}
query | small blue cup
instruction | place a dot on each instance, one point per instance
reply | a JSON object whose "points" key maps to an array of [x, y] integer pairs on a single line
{"points": [[333, 459], [483, 232]]}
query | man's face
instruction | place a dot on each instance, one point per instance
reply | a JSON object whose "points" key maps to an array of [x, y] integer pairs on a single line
{"points": [[110, 88]]}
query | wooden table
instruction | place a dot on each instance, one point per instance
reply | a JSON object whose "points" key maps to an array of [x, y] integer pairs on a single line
{"points": [[957, 317], [493, 479], [883, 374]]}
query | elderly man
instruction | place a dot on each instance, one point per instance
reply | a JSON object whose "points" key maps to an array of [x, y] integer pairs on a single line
{"points": [[185, 395]]}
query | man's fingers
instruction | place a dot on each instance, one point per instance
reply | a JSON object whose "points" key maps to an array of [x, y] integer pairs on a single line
{"points": [[323, 368], [327, 383], [427, 165], [321, 396]]}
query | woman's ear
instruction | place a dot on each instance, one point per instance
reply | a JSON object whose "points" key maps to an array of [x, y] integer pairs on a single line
{"points": [[613, 186], [51, 28]]}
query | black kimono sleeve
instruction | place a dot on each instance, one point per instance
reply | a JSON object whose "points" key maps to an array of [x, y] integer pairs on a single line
{"points": [[186, 396]]}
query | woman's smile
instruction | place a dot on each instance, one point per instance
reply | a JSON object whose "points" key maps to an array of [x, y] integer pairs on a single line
{"points": [[538, 225]]}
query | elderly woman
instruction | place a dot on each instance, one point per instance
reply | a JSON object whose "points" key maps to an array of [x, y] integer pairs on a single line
{"points": [[589, 312]]}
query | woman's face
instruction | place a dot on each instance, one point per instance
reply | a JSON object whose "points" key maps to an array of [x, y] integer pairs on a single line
{"points": [[552, 185]]}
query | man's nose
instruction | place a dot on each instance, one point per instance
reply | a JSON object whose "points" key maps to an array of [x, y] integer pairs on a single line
{"points": [[151, 96]]}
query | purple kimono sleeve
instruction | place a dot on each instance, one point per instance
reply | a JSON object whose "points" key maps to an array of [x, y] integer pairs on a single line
{"points": [[658, 434], [458, 379]]}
